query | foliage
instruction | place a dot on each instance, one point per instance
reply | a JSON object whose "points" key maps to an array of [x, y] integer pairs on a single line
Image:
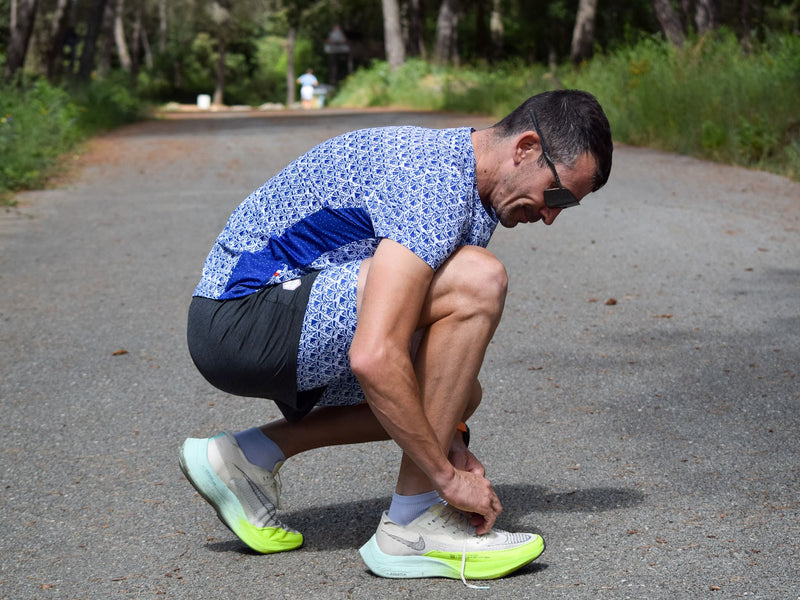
{"points": [[719, 97], [106, 103], [37, 124], [709, 99], [40, 122]]}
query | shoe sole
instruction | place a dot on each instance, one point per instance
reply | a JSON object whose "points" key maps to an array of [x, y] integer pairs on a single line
{"points": [[265, 540], [478, 565]]}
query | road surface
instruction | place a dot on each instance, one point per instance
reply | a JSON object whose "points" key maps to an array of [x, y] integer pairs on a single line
{"points": [[641, 412]]}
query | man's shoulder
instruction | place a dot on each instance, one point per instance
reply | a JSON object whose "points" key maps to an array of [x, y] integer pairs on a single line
{"points": [[404, 134]]}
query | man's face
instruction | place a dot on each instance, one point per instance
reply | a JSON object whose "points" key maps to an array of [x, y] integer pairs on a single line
{"points": [[520, 196]]}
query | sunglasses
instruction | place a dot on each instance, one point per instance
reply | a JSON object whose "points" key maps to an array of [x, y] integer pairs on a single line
{"points": [[558, 197]]}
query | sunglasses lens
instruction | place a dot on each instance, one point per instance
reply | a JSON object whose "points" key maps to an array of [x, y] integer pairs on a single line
{"points": [[559, 198]]}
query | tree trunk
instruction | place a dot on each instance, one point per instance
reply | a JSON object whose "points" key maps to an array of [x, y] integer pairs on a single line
{"points": [[685, 14], [219, 91], [93, 28], [583, 33], [162, 26], [119, 36], [669, 21], [23, 18], [107, 35], [136, 41], [290, 78], [392, 35], [447, 33], [148, 53], [744, 18], [705, 16], [482, 36], [496, 28], [416, 42], [58, 34]]}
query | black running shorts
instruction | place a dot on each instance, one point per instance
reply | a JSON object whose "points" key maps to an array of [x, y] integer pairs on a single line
{"points": [[248, 346]]}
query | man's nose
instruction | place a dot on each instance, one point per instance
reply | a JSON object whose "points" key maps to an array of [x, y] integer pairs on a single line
{"points": [[549, 214]]}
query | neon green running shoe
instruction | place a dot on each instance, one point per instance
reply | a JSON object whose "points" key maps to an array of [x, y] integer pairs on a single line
{"points": [[244, 495], [442, 543]]}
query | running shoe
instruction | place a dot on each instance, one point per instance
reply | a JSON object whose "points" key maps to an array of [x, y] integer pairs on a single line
{"points": [[244, 495], [442, 543]]}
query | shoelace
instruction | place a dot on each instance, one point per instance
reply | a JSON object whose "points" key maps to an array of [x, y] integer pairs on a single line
{"points": [[463, 525], [463, 565]]}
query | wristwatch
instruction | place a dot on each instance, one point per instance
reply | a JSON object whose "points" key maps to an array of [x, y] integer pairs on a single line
{"points": [[464, 429]]}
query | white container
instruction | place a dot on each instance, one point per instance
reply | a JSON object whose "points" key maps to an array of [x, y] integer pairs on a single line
{"points": [[204, 102]]}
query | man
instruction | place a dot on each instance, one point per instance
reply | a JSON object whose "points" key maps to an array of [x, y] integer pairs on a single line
{"points": [[307, 83], [354, 289]]}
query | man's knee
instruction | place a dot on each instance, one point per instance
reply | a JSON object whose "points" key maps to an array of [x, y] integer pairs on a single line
{"points": [[481, 279]]}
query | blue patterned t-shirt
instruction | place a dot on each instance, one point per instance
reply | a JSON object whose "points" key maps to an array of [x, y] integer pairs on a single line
{"points": [[333, 205]]}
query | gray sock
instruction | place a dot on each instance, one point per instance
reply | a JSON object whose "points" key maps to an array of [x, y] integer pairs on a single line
{"points": [[405, 509], [259, 449]]}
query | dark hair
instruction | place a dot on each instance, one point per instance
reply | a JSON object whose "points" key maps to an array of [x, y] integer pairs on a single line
{"points": [[572, 123]]}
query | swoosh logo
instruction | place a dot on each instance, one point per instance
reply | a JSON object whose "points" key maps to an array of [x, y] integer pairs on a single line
{"points": [[417, 546], [259, 494]]}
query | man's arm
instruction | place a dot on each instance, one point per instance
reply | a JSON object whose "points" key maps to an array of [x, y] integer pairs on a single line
{"points": [[396, 288]]}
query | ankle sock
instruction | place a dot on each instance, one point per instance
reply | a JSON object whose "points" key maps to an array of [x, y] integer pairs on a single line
{"points": [[259, 449], [405, 509]]}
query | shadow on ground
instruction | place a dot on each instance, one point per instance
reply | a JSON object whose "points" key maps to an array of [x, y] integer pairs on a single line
{"points": [[338, 526]]}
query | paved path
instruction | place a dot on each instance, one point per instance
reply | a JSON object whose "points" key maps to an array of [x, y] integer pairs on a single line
{"points": [[653, 441]]}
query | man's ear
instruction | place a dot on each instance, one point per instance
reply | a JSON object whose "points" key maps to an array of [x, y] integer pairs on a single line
{"points": [[527, 145]]}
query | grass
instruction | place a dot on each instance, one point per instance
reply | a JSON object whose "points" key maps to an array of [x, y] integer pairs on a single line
{"points": [[709, 99]]}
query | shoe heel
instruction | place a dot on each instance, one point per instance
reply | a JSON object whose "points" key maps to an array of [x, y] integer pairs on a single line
{"points": [[403, 567], [194, 465]]}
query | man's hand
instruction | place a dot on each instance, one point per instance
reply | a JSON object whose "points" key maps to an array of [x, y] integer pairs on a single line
{"points": [[473, 494], [464, 460]]}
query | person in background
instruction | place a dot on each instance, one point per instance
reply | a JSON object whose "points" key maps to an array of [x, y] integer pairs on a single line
{"points": [[307, 83]]}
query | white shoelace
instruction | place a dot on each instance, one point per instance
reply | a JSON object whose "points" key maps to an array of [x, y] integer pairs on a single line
{"points": [[463, 565], [463, 524]]}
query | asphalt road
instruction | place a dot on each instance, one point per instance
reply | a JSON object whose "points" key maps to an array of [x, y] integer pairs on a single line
{"points": [[641, 411]]}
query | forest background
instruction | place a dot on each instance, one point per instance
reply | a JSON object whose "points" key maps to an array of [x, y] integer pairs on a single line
{"points": [[717, 79]]}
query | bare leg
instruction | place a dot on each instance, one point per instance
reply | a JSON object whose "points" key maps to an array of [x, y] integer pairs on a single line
{"points": [[326, 426], [460, 316]]}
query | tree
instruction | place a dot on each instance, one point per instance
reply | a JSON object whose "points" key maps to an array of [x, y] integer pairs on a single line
{"points": [[220, 15], [58, 36], [93, 28], [669, 21], [583, 34], [392, 36], [496, 28], [291, 39], [415, 45], [138, 41], [23, 17], [446, 51], [119, 36], [706, 16]]}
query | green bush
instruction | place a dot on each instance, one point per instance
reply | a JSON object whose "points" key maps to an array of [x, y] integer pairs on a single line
{"points": [[107, 103], [708, 99], [40, 122], [37, 124]]}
